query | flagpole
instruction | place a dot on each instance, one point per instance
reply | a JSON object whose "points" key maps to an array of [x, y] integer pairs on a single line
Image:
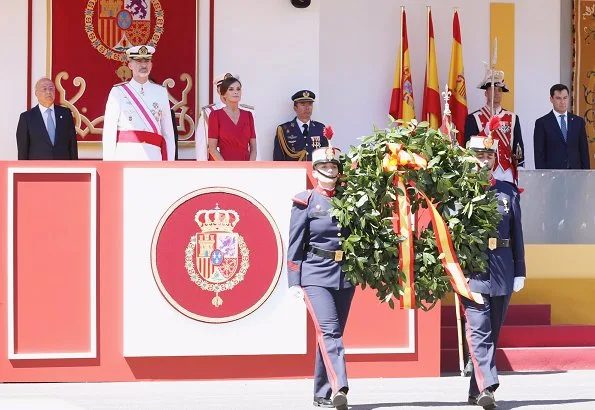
{"points": [[428, 11], [401, 50], [492, 69]]}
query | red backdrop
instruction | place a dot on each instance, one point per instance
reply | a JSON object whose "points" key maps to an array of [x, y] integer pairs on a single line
{"points": [[89, 39]]}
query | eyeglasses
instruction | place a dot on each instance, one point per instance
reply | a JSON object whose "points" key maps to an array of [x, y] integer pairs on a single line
{"points": [[46, 89]]}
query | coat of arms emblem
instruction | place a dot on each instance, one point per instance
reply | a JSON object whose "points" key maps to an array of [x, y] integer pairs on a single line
{"points": [[207, 263], [217, 258], [113, 26]]}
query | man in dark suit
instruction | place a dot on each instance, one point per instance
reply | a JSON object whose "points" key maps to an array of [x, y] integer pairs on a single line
{"points": [[296, 139], [46, 131], [560, 138]]}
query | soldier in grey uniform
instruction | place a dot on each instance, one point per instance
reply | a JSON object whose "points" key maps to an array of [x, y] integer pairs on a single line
{"points": [[314, 260], [505, 275]]}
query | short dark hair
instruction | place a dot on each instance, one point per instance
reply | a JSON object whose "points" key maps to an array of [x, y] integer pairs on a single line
{"points": [[225, 84], [558, 87]]}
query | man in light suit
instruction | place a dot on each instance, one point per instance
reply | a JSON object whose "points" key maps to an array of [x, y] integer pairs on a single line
{"points": [[46, 131], [560, 138]]}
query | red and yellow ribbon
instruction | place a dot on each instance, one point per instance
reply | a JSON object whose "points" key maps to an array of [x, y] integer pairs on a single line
{"points": [[397, 160]]}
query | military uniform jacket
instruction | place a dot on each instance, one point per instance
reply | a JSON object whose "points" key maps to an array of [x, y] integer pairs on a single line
{"points": [[291, 145], [312, 225], [121, 115], [509, 136], [504, 264]]}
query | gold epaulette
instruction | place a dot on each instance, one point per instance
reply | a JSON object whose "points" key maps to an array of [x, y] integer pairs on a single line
{"points": [[299, 156], [248, 107]]}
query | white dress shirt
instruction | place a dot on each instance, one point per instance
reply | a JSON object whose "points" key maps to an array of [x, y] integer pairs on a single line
{"points": [[45, 116]]}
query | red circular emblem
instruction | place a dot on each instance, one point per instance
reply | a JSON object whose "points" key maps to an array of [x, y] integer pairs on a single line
{"points": [[216, 255]]}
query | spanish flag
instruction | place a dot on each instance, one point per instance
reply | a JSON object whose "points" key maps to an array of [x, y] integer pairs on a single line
{"points": [[401, 102], [456, 82], [431, 106]]}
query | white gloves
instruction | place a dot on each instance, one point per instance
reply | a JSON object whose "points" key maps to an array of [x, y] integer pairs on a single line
{"points": [[297, 292], [519, 283]]}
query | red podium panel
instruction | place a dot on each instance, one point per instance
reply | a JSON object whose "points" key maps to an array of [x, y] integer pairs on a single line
{"points": [[66, 286], [51, 230]]}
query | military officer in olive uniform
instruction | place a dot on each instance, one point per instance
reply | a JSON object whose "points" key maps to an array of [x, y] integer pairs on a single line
{"points": [[505, 275], [296, 139], [314, 271]]}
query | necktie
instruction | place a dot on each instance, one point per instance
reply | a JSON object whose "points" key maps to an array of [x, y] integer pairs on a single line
{"points": [[563, 126], [305, 132], [51, 126]]}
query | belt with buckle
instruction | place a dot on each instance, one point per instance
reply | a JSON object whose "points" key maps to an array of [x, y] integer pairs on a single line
{"points": [[337, 256], [494, 243]]}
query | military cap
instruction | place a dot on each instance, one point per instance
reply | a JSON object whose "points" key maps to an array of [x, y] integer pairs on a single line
{"points": [[303, 95], [141, 52], [326, 154], [480, 143], [493, 75]]}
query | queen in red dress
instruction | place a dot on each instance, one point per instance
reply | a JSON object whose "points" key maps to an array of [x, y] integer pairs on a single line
{"points": [[232, 136]]}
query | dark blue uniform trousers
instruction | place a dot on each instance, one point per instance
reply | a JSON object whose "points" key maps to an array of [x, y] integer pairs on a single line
{"points": [[482, 331], [329, 309]]}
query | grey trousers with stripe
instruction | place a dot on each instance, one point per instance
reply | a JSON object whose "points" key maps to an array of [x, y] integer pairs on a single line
{"points": [[482, 332], [329, 309]]}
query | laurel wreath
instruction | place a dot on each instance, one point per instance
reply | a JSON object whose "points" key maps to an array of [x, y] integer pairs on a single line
{"points": [[365, 203]]}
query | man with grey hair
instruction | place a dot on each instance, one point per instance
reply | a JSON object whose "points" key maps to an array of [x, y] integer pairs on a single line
{"points": [[46, 131]]}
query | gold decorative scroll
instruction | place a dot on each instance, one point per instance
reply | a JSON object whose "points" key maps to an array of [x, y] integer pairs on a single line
{"points": [[185, 133], [584, 68]]}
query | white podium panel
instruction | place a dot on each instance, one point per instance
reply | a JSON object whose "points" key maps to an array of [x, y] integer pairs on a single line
{"points": [[204, 270]]}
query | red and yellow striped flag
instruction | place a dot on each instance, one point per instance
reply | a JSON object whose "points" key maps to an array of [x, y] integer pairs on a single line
{"points": [[401, 102], [431, 105], [456, 82]]}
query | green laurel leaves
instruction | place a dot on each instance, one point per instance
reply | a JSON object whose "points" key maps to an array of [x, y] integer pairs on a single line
{"points": [[365, 203]]}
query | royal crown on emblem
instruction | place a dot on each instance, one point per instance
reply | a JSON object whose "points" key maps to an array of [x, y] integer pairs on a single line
{"points": [[216, 220], [306, 94]]}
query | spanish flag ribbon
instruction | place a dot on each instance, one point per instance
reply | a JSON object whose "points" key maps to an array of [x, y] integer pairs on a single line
{"points": [[397, 160]]}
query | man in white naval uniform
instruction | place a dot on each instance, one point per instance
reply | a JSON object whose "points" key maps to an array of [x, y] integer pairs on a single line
{"points": [[202, 129], [137, 125]]}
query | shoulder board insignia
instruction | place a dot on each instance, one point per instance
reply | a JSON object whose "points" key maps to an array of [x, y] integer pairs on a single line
{"points": [[246, 106], [208, 106], [122, 83], [303, 198]]}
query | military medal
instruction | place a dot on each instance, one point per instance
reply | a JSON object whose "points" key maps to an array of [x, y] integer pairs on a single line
{"points": [[316, 142]]}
